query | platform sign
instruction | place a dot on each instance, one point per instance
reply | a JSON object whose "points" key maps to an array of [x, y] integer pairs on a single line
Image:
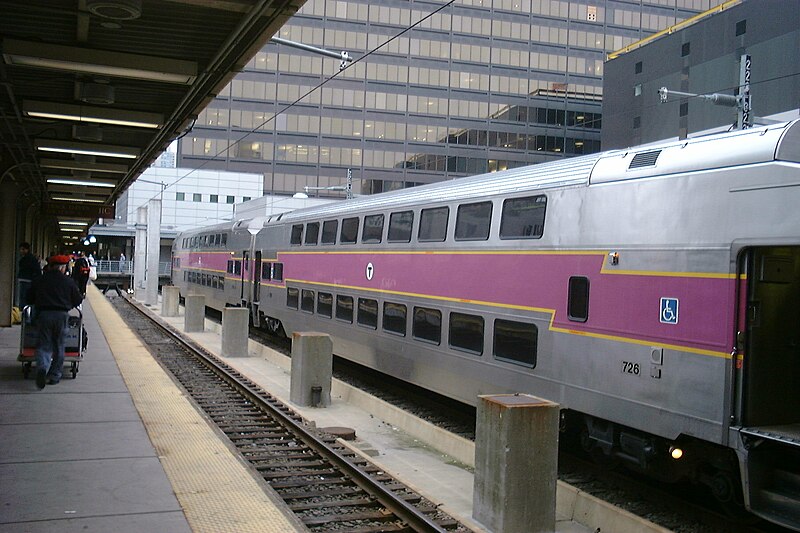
{"points": [[77, 210], [669, 311]]}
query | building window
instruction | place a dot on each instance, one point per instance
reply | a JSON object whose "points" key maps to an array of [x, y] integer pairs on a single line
{"points": [[637, 122], [214, 198], [578, 299], [433, 224], [179, 196], [312, 234], [246, 198], [394, 318], [473, 220], [349, 231], [515, 342], [427, 324], [373, 229], [325, 304], [329, 228], [231, 199], [368, 312], [466, 332], [637, 89], [344, 308], [197, 197], [741, 27], [685, 49], [523, 218], [637, 68], [292, 297], [684, 111]]}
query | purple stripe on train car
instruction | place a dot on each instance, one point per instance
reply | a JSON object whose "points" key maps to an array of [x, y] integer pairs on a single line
{"points": [[621, 305], [207, 261]]}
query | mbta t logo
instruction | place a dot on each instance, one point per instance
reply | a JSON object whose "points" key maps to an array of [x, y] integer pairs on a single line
{"points": [[669, 311]]}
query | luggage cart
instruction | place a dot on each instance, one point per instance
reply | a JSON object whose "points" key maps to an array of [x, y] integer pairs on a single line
{"points": [[74, 342]]}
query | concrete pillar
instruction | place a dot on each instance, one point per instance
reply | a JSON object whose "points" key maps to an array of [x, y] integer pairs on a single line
{"points": [[170, 299], [8, 248], [235, 331], [153, 251], [140, 252], [516, 464], [312, 368], [194, 313]]}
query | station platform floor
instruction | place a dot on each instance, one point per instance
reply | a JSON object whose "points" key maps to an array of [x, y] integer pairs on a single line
{"points": [[120, 448]]}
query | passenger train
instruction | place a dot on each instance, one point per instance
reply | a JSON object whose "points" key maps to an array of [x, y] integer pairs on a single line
{"points": [[653, 292]]}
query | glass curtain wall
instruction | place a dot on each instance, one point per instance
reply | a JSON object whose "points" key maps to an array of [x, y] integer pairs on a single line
{"points": [[480, 86]]}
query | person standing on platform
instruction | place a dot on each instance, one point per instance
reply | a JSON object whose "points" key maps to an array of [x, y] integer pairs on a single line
{"points": [[80, 273], [53, 294], [28, 271]]}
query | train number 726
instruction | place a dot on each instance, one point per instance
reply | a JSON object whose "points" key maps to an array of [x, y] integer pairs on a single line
{"points": [[630, 368]]}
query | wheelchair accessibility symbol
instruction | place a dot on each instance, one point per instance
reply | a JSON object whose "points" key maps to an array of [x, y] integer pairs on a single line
{"points": [[669, 311]]}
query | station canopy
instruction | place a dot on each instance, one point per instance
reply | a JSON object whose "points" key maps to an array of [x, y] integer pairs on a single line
{"points": [[93, 91]]}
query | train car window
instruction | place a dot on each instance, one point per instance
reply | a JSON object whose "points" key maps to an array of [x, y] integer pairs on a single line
{"points": [[344, 308], [277, 271], [221, 283], [515, 342], [473, 220], [237, 267], [400, 226], [312, 234], [307, 301], [266, 271], [466, 333], [373, 229], [368, 312], [433, 224], [427, 324], [349, 231], [394, 318], [292, 298], [185, 276], [329, 228], [523, 218], [230, 267], [297, 234], [213, 282], [224, 239], [325, 304], [578, 299]]}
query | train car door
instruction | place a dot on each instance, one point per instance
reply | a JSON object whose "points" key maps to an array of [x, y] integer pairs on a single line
{"points": [[770, 368], [257, 279], [243, 278]]}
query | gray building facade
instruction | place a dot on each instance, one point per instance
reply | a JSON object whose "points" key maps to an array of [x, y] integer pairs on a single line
{"points": [[479, 85], [704, 58]]}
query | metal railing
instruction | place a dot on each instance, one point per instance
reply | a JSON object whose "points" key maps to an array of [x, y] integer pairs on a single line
{"points": [[116, 268]]}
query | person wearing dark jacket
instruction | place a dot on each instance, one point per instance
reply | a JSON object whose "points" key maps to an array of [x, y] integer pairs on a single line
{"points": [[80, 273], [28, 270], [53, 295]]}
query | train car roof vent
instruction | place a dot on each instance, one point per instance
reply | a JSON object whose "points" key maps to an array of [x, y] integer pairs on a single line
{"points": [[644, 159]]}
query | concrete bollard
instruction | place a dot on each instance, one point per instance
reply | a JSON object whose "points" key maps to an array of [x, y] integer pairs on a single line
{"points": [[516, 464], [312, 368], [170, 298], [235, 331], [195, 313]]}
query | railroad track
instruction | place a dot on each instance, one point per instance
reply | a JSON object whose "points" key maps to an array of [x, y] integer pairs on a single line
{"points": [[329, 487]]}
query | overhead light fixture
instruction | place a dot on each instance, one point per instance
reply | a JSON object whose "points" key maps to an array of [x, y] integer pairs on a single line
{"points": [[76, 199], [84, 148], [97, 115], [72, 230], [89, 166], [82, 183], [72, 223], [103, 62]]}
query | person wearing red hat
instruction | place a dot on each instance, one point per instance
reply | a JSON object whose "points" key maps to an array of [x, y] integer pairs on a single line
{"points": [[52, 296]]}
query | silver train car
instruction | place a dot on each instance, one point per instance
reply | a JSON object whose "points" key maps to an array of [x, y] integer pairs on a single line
{"points": [[654, 293]]}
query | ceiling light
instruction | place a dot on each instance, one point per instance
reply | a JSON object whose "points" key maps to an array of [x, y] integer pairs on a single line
{"points": [[103, 62], [83, 183], [72, 223], [76, 199], [76, 147], [72, 230], [89, 166], [97, 115]]}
